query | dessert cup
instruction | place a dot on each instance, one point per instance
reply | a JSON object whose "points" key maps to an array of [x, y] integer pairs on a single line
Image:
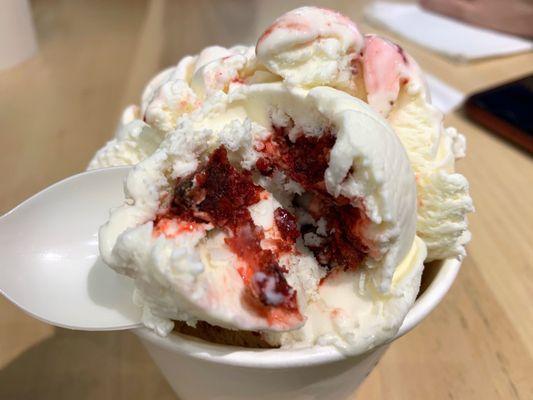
{"points": [[199, 370]]}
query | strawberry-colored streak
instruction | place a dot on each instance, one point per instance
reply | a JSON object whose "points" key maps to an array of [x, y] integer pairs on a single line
{"points": [[283, 24], [220, 195], [172, 227], [312, 23], [237, 80], [385, 68], [340, 19], [305, 160]]}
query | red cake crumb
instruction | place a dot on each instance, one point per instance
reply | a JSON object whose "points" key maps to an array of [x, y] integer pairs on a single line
{"points": [[225, 193], [343, 246], [220, 194], [286, 223], [305, 160], [265, 166]]}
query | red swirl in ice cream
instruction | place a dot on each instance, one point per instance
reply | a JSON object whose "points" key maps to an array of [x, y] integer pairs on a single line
{"points": [[311, 46], [307, 24], [386, 67]]}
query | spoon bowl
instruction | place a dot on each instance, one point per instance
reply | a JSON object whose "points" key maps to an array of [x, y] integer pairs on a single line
{"points": [[50, 260]]}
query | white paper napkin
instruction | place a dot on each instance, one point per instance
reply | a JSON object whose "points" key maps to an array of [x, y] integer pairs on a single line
{"points": [[443, 96], [441, 34]]}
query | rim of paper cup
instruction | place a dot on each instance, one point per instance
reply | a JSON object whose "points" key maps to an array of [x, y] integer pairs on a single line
{"points": [[288, 358]]}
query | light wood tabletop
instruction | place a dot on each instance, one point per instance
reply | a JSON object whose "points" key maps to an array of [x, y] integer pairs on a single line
{"points": [[95, 57]]}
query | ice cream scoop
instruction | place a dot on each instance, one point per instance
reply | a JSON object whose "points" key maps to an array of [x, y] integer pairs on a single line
{"points": [[51, 267], [386, 77], [244, 210]]}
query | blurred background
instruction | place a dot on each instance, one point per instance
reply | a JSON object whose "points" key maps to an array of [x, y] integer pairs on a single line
{"points": [[90, 59]]}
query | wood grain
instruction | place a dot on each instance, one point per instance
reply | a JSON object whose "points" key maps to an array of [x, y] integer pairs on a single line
{"points": [[95, 57]]}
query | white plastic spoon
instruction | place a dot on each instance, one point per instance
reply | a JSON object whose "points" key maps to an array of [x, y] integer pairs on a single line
{"points": [[49, 263]]}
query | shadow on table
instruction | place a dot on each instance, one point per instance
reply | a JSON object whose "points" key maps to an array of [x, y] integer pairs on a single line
{"points": [[84, 365]]}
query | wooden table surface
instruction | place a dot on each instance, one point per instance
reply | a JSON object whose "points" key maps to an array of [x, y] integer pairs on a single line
{"points": [[95, 57]]}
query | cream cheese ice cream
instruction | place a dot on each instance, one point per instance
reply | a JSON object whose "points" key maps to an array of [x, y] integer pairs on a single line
{"points": [[280, 189]]}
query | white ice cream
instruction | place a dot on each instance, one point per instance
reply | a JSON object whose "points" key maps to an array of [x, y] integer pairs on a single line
{"points": [[178, 274], [134, 141], [311, 72]]}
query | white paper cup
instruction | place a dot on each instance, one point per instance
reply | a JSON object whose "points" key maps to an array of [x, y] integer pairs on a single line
{"points": [[198, 370]]}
